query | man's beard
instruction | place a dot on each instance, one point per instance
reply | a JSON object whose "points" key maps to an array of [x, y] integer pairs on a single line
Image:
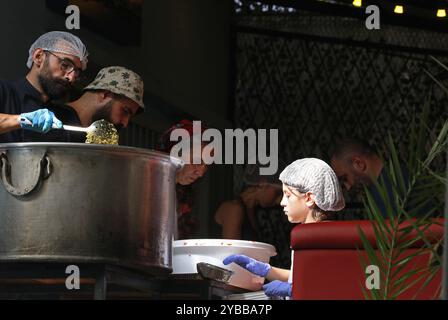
{"points": [[55, 89], [106, 113], [360, 181]]}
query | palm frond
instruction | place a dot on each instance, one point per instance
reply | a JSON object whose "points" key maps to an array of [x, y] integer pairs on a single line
{"points": [[436, 81], [412, 197]]}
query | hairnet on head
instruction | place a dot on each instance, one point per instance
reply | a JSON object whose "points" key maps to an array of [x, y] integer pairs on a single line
{"points": [[315, 176], [62, 42]]}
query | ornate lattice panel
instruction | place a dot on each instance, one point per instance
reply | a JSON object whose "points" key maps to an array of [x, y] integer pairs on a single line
{"points": [[138, 136]]}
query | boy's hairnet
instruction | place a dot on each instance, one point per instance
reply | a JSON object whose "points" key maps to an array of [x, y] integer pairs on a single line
{"points": [[315, 176]]}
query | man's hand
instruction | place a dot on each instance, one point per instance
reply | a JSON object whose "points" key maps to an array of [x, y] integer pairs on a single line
{"points": [[256, 267], [278, 289], [42, 121]]}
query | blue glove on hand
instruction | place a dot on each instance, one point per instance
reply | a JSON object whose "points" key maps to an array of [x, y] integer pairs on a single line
{"points": [[42, 121], [278, 289], [256, 267]]}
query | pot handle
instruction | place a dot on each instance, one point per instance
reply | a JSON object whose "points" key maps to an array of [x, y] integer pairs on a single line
{"points": [[43, 172]]}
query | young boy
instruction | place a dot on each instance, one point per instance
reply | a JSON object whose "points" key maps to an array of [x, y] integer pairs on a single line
{"points": [[311, 193]]}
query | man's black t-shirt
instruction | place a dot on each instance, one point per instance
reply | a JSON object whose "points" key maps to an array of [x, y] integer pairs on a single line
{"points": [[16, 98], [21, 97], [68, 116]]}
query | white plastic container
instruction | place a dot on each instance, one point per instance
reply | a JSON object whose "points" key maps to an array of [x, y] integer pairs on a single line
{"points": [[188, 253]]}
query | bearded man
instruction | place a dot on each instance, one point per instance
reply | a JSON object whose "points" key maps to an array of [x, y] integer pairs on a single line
{"points": [[56, 60]]}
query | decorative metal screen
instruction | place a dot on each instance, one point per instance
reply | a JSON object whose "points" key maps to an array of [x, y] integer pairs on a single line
{"points": [[138, 136]]}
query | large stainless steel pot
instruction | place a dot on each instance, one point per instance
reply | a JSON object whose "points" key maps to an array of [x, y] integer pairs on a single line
{"points": [[87, 203]]}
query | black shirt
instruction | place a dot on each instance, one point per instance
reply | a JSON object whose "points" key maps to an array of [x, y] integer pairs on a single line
{"points": [[385, 182], [68, 116], [21, 97], [16, 98]]}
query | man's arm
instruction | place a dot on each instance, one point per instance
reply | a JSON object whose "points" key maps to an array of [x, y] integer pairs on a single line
{"points": [[42, 121], [9, 122]]}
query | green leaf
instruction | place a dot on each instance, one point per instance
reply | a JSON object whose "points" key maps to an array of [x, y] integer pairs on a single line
{"points": [[408, 258], [439, 62], [406, 286], [370, 251], [424, 190], [397, 172], [433, 273], [436, 81]]}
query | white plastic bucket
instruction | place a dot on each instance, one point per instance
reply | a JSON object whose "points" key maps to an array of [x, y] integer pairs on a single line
{"points": [[188, 253]]}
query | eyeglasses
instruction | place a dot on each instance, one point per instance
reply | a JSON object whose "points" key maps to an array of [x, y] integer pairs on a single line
{"points": [[66, 65]]}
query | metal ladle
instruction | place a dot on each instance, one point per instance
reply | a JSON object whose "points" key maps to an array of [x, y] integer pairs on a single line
{"points": [[99, 132]]}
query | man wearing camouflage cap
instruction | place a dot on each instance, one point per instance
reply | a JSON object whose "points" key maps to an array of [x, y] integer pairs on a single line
{"points": [[115, 95], [55, 61]]}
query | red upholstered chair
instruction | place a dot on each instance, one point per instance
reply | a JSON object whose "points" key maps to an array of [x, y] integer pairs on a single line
{"points": [[327, 262]]}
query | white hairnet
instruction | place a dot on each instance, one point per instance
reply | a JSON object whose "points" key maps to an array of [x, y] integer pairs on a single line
{"points": [[62, 42], [315, 176]]}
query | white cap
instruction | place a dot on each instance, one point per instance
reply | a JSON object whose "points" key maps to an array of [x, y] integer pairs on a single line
{"points": [[315, 176], [62, 42]]}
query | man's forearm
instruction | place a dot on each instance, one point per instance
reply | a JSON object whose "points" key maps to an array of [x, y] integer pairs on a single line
{"points": [[8, 122]]}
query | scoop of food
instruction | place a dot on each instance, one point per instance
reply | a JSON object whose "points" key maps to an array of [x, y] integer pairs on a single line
{"points": [[102, 132], [99, 132]]}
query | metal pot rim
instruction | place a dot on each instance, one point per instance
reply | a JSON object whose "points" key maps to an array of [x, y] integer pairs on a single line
{"points": [[111, 148]]}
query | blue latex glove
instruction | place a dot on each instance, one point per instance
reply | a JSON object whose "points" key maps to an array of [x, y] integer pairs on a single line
{"points": [[278, 289], [256, 267], [42, 121]]}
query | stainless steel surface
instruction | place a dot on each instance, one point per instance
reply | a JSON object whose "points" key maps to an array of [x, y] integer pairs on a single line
{"points": [[87, 203], [79, 129], [257, 295]]}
